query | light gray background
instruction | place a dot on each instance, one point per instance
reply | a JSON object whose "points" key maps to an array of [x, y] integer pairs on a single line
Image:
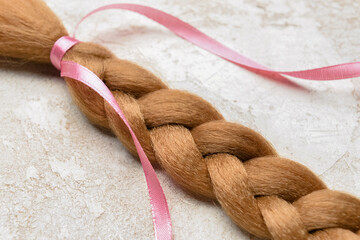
{"points": [[62, 178]]}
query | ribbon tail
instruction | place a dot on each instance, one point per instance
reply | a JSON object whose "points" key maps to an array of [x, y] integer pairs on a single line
{"points": [[193, 35], [159, 207]]}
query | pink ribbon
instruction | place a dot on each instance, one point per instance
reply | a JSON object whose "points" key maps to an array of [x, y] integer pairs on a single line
{"points": [[193, 35], [159, 207], [160, 211]]}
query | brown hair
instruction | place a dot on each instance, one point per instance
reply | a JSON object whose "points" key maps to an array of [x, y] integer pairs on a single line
{"points": [[269, 196]]}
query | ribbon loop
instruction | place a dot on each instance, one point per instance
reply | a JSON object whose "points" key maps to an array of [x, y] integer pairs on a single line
{"points": [[61, 46]]}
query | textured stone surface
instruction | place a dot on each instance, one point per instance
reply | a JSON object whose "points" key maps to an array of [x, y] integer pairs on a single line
{"points": [[62, 178]]}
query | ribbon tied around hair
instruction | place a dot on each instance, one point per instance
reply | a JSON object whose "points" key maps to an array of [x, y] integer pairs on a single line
{"points": [[160, 210]]}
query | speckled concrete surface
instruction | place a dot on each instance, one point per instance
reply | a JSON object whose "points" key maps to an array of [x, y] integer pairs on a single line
{"points": [[61, 178]]}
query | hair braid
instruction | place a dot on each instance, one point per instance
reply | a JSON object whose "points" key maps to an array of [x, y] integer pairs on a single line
{"points": [[269, 196]]}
